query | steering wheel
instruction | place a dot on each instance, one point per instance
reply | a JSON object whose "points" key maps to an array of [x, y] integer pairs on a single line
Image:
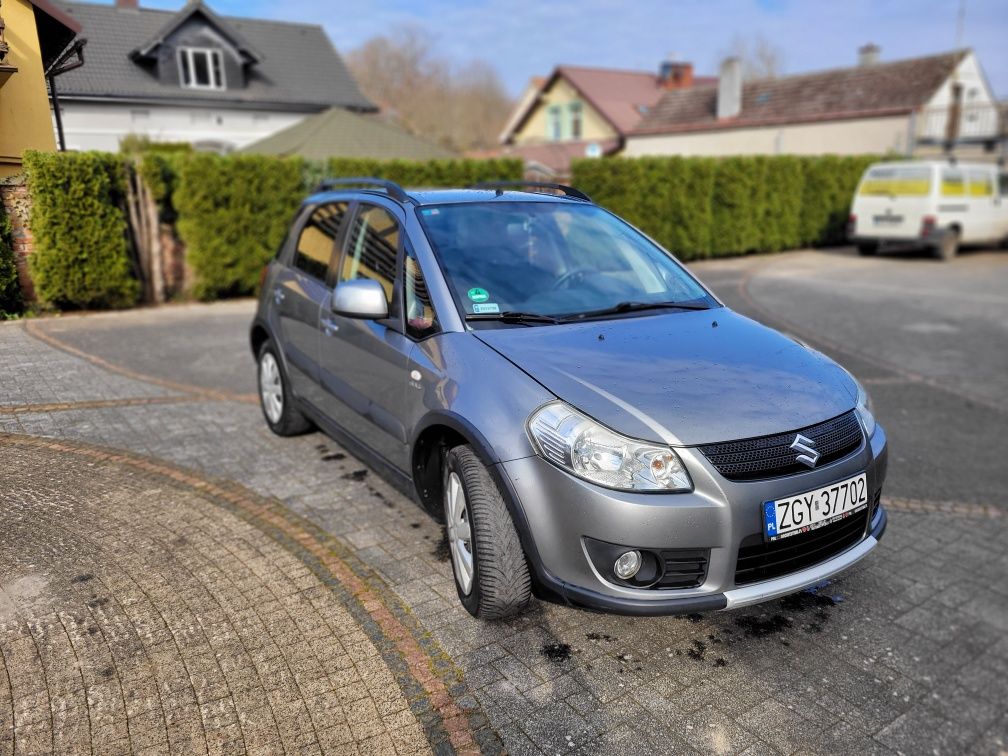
{"points": [[569, 276]]}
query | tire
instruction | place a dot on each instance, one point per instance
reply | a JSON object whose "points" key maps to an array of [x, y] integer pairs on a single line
{"points": [[275, 399], [948, 246], [498, 579], [868, 249]]}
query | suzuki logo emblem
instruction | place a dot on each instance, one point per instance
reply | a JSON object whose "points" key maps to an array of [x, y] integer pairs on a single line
{"points": [[805, 447]]}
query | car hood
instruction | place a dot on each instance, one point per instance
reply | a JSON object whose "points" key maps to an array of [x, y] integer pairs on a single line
{"points": [[684, 378]]}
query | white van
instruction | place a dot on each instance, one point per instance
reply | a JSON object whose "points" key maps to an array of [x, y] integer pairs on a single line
{"points": [[935, 204]]}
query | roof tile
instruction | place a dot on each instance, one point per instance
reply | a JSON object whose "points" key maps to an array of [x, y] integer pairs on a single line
{"points": [[875, 89]]}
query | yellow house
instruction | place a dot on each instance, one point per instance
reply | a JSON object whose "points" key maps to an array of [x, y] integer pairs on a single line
{"points": [[32, 37], [579, 111]]}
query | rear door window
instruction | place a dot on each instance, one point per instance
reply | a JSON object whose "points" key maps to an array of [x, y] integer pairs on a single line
{"points": [[318, 239], [897, 181]]}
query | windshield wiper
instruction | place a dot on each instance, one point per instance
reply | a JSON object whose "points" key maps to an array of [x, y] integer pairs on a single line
{"points": [[637, 307], [510, 316]]}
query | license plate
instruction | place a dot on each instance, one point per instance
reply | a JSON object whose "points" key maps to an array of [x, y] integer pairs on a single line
{"points": [[881, 220], [813, 509]]}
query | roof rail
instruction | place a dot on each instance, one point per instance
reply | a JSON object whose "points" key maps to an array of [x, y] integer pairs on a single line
{"points": [[393, 189], [500, 186]]}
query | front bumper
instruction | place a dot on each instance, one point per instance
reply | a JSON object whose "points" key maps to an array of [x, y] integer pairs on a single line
{"points": [[559, 511]]}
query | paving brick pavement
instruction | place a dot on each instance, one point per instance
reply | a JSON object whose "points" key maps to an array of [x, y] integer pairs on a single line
{"points": [[905, 653], [144, 609]]}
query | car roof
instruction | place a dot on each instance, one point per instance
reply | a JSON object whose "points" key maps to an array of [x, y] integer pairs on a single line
{"points": [[421, 197]]}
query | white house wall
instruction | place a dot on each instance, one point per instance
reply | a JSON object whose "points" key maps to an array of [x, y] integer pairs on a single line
{"points": [[979, 112], [847, 137], [101, 126]]}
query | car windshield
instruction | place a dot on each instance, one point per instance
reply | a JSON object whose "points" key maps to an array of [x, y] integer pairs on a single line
{"points": [[555, 260]]}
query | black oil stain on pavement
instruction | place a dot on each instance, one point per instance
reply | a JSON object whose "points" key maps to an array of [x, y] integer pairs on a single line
{"points": [[556, 652], [356, 475], [442, 551]]}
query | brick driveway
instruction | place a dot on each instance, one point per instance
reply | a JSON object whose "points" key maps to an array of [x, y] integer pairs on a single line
{"points": [[906, 653]]}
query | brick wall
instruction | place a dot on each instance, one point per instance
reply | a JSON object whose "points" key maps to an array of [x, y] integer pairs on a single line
{"points": [[17, 205]]}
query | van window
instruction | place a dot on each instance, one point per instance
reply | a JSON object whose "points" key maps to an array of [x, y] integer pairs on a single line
{"points": [[1003, 184], [953, 183], [315, 245], [981, 184], [899, 180]]}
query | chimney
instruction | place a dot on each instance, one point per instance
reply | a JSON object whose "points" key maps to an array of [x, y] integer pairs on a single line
{"points": [[673, 74], [729, 90], [128, 4], [868, 55]]}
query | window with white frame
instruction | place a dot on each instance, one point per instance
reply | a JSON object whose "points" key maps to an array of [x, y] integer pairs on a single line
{"points": [[575, 116], [201, 68], [554, 123]]}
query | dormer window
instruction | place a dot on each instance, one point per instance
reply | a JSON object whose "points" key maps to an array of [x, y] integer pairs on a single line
{"points": [[201, 68]]}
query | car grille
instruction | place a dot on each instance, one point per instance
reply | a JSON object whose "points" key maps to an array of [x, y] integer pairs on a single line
{"points": [[772, 456], [759, 560], [684, 568]]}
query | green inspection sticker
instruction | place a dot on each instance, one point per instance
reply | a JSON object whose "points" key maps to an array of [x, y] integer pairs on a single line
{"points": [[479, 295]]}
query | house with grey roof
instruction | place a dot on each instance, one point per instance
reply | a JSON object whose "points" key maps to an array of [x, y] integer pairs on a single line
{"points": [[914, 106], [217, 82]]}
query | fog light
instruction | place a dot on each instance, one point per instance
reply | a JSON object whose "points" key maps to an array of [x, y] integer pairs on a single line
{"points": [[627, 565]]}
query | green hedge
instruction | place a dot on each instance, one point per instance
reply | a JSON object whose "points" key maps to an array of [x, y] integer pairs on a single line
{"points": [[708, 207], [233, 213], [429, 173], [81, 256], [10, 291]]}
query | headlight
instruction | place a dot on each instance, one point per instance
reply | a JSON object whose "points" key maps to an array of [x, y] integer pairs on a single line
{"points": [[591, 451], [864, 408]]}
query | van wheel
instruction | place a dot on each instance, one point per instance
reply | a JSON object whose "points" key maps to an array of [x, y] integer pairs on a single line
{"points": [[491, 575], [948, 246], [868, 249], [275, 399]]}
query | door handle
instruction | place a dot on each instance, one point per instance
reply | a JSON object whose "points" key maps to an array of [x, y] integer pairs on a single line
{"points": [[330, 326], [278, 295]]}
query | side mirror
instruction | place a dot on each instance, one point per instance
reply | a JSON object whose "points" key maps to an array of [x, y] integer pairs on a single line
{"points": [[362, 298]]}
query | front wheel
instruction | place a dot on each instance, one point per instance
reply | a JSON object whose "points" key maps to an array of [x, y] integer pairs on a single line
{"points": [[491, 575], [275, 398]]}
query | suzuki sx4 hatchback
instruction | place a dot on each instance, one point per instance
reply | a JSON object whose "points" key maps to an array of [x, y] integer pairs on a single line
{"points": [[591, 423]]}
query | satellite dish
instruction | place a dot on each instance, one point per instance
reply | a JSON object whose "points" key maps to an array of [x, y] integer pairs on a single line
{"points": [[593, 150]]}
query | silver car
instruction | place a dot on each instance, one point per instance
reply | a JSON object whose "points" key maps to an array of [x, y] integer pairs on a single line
{"points": [[592, 424]]}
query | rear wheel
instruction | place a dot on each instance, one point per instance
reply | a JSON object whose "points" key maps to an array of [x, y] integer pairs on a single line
{"points": [[867, 249], [948, 245], [281, 415], [491, 575]]}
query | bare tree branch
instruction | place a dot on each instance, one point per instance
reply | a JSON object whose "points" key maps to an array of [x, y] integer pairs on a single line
{"points": [[462, 107]]}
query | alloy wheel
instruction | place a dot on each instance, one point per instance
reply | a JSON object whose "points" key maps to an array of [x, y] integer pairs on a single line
{"points": [[271, 387], [459, 532]]}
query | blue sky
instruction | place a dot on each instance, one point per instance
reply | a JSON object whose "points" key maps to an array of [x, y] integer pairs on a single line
{"points": [[523, 38]]}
